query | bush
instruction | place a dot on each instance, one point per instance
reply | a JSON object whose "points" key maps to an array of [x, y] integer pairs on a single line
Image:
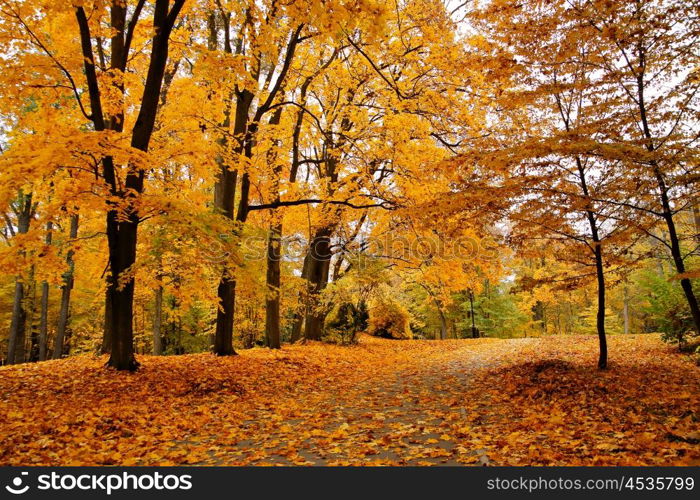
{"points": [[389, 319], [342, 324], [668, 309]]}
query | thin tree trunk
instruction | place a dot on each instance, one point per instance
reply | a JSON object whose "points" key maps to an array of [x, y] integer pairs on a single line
{"points": [[625, 310], [299, 316], [600, 318], [66, 288], [667, 210], [475, 332], [106, 346], [44, 312], [31, 319], [157, 322], [600, 271]]}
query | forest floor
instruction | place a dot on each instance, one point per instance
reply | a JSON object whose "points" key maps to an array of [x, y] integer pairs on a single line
{"points": [[381, 402]]}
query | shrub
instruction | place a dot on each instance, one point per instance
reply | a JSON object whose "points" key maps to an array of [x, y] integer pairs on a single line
{"points": [[389, 319]]}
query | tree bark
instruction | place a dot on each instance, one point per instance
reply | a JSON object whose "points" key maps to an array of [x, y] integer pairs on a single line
{"points": [[443, 324], [667, 210], [319, 266], [299, 315], [66, 288], [625, 310], [600, 271], [225, 202], [106, 346], [122, 224], [15, 347], [272, 303], [30, 299], [157, 322], [274, 254], [475, 332], [44, 306]]}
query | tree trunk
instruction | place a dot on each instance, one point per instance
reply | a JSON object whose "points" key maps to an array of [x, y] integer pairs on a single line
{"points": [[299, 316], [223, 340], [625, 310], [44, 311], [43, 321], [319, 266], [475, 332], [225, 192], [106, 346], [157, 322], [274, 254], [15, 347], [66, 288], [122, 223], [443, 325], [122, 240], [600, 318], [667, 210], [600, 271], [272, 303], [33, 354]]}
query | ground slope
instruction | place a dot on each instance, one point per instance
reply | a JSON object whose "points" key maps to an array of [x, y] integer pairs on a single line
{"points": [[484, 401]]}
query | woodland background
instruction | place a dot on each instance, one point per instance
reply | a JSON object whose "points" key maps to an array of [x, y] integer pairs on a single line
{"points": [[181, 176]]}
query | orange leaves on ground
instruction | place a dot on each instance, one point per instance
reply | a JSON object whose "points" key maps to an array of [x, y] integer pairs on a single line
{"points": [[382, 402]]}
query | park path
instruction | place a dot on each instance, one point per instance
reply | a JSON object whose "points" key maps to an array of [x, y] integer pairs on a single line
{"points": [[402, 416]]}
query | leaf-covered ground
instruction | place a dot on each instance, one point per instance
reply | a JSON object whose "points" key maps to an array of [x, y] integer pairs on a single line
{"points": [[497, 402]]}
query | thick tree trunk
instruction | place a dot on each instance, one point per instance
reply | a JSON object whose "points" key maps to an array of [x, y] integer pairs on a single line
{"points": [[66, 288], [157, 322], [272, 303], [18, 323], [319, 267], [443, 325], [223, 340], [274, 255], [15, 347], [225, 201], [122, 227], [122, 240]]}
